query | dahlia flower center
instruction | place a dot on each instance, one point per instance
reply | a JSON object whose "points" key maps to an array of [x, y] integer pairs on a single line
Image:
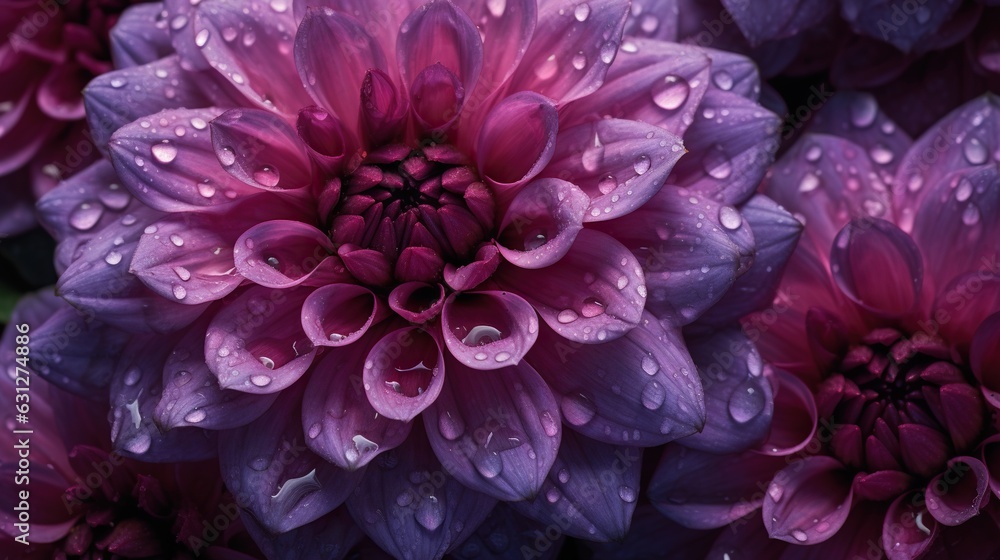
{"points": [[896, 389]]}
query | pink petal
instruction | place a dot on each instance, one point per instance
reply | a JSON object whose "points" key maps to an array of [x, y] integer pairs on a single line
{"points": [[506, 30], [908, 530], [417, 302], [881, 485], [261, 150], [333, 53], [488, 330], [960, 492], [924, 450], [542, 223], [619, 164], [325, 138], [516, 141], [468, 276], [339, 314], [384, 109], [404, 373], [795, 416], [281, 253], [984, 357], [436, 97], [808, 502], [58, 94], [962, 305], [595, 293], [877, 266]]}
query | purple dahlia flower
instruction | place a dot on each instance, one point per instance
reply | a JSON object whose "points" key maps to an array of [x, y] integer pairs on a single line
{"points": [[52, 49], [412, 242], [883, 346], [66, 494]]}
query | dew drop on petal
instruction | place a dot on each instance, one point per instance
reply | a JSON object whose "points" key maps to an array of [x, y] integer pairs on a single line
{"points": [[163, 152], [450, 427], [653, 395], [577, 409], [974, 151], [670, 93], [723, 80], [113, 258], [430, 513], [607, 184], [881, 155], [649, 365], [267, 176], [730, 217], [199, 123], [746, 402], [86, 215], [201, 39], [809, 183], [641, 165], [195, 416], [488, 463], [260, 380], [180, 292], [582, 12], [799, 535], [863, 111], [579, 61], [627, 494], [813, 153], [496, 7], [970, 216], [227, 157], [964, 190]]}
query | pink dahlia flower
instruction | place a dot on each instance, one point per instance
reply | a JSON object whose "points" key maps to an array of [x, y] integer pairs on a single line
{"points": [[66, 494], [52, 49], [443, 248], [882, 346]]}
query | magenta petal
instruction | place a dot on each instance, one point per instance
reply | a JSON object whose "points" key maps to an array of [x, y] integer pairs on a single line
{"points": [[984, 357], [261, 149], [325, 139], [371, 267], [991, 458], [436, 97], [339, 314], [417, 302], [954, 301], [641, 387], [278, 479], [488, 330], [384, 109], [256, 345], [619, 164], [192, 396], [880, 486], [738, 399], [595, 293], [58, 93], [404, 373], [136, 39], [498, 431], [581, 467], [169, 172], [795, 416], [701, 490], [516, 141], [877, 266], [506, 30], [590, 30], [661, 84], [333, 53], [439, 33], [339, 422], [908, 530], [418, 509], [468, 276], [960, 492], [924, 450], [541, 223], [280, 253], [807, 502]]}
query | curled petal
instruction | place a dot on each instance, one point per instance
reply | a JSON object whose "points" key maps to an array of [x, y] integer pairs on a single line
{"points": [[908, 530], [867, 256], [417, 302], [795, 415], [984, 357], [808, 502], [279, 480], [488, 330], [498, 430], [468, 276], [339, 314], [404, 373], [595, 293], [958, 494], [541, 223], [324, 137], [516, 141], [280, 253], [437, 97], [619, 164], [383, 108], [256, 344], [261, 150]]}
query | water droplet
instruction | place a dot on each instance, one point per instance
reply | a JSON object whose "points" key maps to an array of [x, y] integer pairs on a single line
{"points": [[775, 492], [164, 152], [195, 416], [267, 176], [641, 165], [881, 155], [86, 215], [226, 157], [552, 495], [548, 68], [799, 535], [260, 380], [488, 463], [177, 240], [809, 183], [863, 111], [626, 493], [649, 24], [199, 123], [579, 60], [496, 7], [730, 217], [430, 513], [118, 83], [607, 184], [582, 12], [608, 52], [404, 499], [178, 22], [563, 476], [567, 316], [971, 215], [229, 34], [577, 409], [813, 153], [653, 395], [592, 307], [132, 376], [723, 80], [180, 292], [450, 427], [974, 151], [279, 6], [481, 335], [534, 240], [649, 365], [201, 39], [622, 282], [964, 190], [113, 258], [670, 93], [746, 402], [140, 443]]}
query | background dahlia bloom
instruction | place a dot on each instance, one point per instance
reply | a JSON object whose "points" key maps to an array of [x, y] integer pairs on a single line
{"points": [[51, 50], [86, 501], [920, 59], [426, 247], [884, 348]]}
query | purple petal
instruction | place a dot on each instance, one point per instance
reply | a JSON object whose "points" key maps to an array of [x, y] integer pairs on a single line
{"points": [[619, 164], [262, 69], [261, 149], [808, 502], [332, 536], [868, 249], [488, 330], [516, 141], [468, 276], [439, 33], [171, 173], [192, 396], [657, 83], [685, 246], [328, 143], [641, 387], [136, 39], [984, 357], [776, 19], [281, 253], [654, 19], [436, 97], [590, 30], [568, 497], [417, 302], [417, 509], [888, 22], [541, 223], [255, 344], [908, 530], [732, 142], [701, 490], [384, 109], [340, 423], [747, 536], [960, 492], [277, 478], [404, 373], [333, 53], [595, 293], [498, 430], [506, 535], [734, 73], [738, 399], [339, 314]]}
